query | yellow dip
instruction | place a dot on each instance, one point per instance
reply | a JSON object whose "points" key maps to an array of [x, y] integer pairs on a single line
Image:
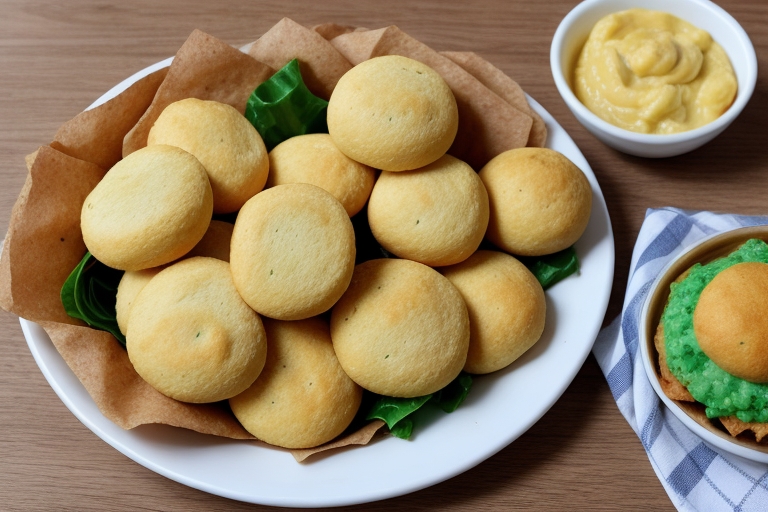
{"points": [[651, 72]]}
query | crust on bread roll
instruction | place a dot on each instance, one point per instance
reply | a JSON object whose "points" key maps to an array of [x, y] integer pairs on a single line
{"points": [[315, 159], [436, 215], [132, 282], [151, 208], [506, 305], [228, 146], [393, 113], [215, 242], [293, 251], [191, 335], [730, 321], [540, 201], [302, 398], [401, 329]]}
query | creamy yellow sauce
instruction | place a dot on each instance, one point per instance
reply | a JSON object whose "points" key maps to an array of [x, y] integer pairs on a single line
{"points": [[651, 72]]}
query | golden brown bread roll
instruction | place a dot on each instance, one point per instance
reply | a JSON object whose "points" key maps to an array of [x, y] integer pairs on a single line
{"points": [[730, 321], [400, 329], [293, 251], [151, 208], [393, 113], [506, 308], [192, 337], [228, 146], [436, 215], [540, 201], [215, 242], [302, 398], [132, 282], [315, 159]]}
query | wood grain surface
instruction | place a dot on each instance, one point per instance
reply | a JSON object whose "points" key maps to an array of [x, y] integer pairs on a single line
{"points": [[57, 57]]}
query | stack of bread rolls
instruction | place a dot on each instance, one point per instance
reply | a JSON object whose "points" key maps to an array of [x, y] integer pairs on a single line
{"points": [[272, 313]]}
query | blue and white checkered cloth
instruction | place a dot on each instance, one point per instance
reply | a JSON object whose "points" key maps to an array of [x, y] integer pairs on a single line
{"points": [[695, 475]]}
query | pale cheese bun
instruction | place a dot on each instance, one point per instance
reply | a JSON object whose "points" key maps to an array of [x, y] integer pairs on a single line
{"points": [[226, 143], [393, 113], [192, 337], [151, 208]]}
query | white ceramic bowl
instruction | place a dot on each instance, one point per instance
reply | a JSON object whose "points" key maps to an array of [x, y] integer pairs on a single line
{"points": [[573, 31], [704, 251]]}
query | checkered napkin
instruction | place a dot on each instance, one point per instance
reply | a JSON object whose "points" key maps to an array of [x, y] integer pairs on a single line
{"points": [[695, 475]]}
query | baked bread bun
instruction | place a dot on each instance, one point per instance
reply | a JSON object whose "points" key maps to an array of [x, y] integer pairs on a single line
{"points": [[151, 208], [401, 329], [228, 146], [302, 398], [393, 113], [215, 242], [436, 215], [132, 282], [506, 308], [293, 251], [315, 159], [540, 201], [192, 337], [730, 321]]}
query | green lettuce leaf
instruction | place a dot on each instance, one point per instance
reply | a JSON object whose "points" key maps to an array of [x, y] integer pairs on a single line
{"points": [[451, 396], [282, 107], [90, 293], [553, 268], [397, 413]]}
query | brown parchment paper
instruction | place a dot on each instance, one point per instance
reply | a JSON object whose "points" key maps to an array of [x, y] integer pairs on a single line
{"points": [[44, 241], [360, 437], [112, 120], [102, 365], [488, 125], [331, 30], [320, 63], [203, 68], [507, 89]]}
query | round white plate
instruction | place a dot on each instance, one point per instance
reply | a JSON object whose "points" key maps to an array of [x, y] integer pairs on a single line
{"points": [[500, 406]]}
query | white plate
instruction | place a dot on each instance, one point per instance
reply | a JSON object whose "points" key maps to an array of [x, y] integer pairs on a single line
{"points": [[499, 409]]}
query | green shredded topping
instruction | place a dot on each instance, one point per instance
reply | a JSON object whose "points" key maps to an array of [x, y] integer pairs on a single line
{"points": [[722, 393]]}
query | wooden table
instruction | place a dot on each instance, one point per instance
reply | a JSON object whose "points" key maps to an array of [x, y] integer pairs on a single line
{"points": [[57, 57]]}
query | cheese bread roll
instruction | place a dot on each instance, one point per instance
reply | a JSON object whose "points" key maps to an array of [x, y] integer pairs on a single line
{"points": [[151, 208], [315, 159], [393, 113], [401, 329], [436, 215], [540, 201], [228, 146], [506, 307], [293, 251], [192, 337], [302, 398]]}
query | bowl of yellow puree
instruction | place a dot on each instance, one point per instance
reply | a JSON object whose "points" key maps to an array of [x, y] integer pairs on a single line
{"points": [[653, 78]]}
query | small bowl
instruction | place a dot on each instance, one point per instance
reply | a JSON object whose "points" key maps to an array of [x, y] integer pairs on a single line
{"points": [[576, 26], [689, 413]]}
